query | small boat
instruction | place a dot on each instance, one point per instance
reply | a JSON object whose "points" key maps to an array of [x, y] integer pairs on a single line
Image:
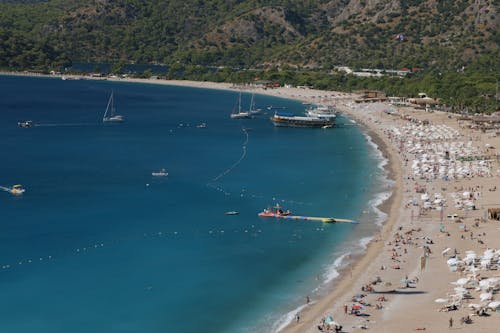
{"points": [[25, 124], [109, 114], [232, 212], [253, 110], [240, 114], [301, 121], [275, 211], [202, 125], [17, 189], [161, 173]]}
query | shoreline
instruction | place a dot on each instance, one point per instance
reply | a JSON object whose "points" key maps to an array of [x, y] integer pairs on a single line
{"points": [[348, 276], [398, 314]]}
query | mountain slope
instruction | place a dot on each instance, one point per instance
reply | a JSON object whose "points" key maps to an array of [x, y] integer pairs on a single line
{"points": [[372, 33]]}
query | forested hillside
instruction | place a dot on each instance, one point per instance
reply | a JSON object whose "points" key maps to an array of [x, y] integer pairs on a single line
{"points": [[372, 33]]}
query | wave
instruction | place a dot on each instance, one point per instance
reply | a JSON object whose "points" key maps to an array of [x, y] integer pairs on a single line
{"points": [[363, 242], [286, 319], [380, 216], [376, 152], [332, 271]]}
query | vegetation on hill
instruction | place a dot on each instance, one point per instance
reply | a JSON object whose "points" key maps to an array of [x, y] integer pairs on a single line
{"points": [[453, 43]]}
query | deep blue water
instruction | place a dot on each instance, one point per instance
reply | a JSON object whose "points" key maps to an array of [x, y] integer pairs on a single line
{"points": [[96, 244]]}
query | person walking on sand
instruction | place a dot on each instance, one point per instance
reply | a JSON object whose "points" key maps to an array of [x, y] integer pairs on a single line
{"points": [[345, 309], [297, 317], [451, 322]]}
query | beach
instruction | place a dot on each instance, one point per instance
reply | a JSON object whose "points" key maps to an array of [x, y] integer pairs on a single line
{"points": [[445, 179]]}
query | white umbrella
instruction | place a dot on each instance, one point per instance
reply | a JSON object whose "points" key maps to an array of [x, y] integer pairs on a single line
{"points": [[485, 297], [453, 261], [461, 281], [475, 306], [460, 290], [441, 300], [494, 305]]}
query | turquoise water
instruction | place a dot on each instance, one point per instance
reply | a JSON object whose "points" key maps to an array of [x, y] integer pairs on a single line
{"points": [[98, 244]]}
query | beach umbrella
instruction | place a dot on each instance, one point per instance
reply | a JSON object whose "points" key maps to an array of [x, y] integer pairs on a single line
{"points": [[328, 320], [461, 282], [357, 307], [460, 290], [475, 306], [441, 300], [494, 305], [453, 262], [446, 251], [485, 297]]}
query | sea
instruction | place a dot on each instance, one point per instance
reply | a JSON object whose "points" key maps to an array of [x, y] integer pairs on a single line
{"points": [[98, 244]]}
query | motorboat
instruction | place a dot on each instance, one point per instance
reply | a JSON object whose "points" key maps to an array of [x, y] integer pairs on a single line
{"points": [[232, 212], [275, 211], [17, 189], [25, 124], [161, 173]]}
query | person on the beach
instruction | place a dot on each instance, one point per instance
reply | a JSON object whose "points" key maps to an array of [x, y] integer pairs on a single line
{"points": [[345, 309], [297, 317], [451, 322]]}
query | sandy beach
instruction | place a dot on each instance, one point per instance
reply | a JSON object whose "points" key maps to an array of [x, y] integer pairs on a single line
{"points": [[434, 264]]}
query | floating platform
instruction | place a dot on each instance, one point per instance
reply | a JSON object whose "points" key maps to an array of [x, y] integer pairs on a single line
{"points": [[313, 218], [278, 213]]}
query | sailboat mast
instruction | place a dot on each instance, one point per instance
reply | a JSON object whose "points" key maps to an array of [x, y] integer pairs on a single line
{"points": [[110, 104], [239, 103], [251, 103]]}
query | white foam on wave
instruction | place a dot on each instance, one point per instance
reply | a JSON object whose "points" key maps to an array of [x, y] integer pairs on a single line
{"points": [[332, 271], [286, 319], [363, 242], [377, 201], [377, 152]]}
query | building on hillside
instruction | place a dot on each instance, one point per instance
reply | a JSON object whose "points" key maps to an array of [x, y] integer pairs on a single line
{"points": [[424, 102], [487, 122], [367, 96], [398, 101]]}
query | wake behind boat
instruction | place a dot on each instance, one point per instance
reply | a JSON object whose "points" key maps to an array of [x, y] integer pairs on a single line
{"points": [[15, 190], [109, 114]]}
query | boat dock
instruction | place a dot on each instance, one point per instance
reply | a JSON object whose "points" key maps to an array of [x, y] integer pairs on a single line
{"points": [[278, 213], [313, 218]]}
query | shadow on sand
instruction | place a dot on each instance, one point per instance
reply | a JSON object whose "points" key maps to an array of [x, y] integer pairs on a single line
{"points": [[400, 292]]}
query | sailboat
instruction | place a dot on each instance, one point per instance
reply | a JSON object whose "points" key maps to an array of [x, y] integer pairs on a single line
{"points": [[240, 114], [253, 110], [109, 115]]}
